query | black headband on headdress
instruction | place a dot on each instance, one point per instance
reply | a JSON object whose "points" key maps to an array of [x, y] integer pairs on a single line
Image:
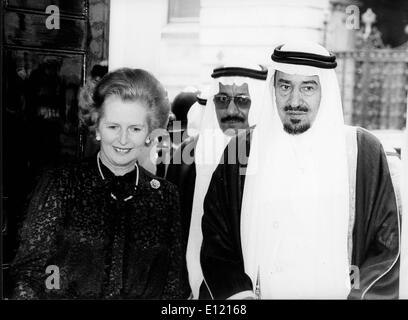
{"points": [[201, 101], [241, 72], [304, 58]]}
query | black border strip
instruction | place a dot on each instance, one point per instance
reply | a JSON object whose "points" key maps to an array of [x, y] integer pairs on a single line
{"points": [[201, 101]]}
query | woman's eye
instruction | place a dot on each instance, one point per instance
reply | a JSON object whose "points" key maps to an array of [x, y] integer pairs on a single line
{"points": [[136, 129], [112, 127]]}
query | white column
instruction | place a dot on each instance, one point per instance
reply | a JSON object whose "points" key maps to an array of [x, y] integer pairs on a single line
{"points": [[135, 33]]}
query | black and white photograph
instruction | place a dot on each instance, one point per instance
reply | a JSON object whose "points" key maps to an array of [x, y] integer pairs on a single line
{"points": [[204, 150]]}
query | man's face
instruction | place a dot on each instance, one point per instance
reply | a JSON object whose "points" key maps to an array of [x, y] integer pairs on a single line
{"points": [[298, 100], [232, 104]]}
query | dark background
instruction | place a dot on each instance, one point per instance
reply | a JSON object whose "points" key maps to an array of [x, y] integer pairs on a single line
{"points": [[42, 72]]}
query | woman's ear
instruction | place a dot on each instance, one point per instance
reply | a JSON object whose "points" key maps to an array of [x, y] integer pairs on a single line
{"points": [[95, 121], [148, 140], [97, 135]]}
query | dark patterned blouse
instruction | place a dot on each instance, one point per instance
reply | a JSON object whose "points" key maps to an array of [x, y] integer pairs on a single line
{"points": [[101, 238]]}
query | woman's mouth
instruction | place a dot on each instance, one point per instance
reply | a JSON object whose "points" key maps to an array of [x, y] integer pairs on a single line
{"points": [[122, 150]]}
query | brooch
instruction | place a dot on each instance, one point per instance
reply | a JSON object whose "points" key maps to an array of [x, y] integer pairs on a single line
{"points": [[155, 184]]}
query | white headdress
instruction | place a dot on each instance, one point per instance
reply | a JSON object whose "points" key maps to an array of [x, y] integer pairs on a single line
{"points": [[404, 237], [294, 218], [195, 115]]}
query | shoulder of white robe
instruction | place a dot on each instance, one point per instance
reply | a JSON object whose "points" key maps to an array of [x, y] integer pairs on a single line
{"points": [[352, 152], [404, 236]]}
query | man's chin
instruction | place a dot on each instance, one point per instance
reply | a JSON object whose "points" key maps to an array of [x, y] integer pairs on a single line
{"points": [[296, 129]]}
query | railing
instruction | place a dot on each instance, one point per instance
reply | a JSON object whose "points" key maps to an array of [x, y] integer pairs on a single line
{"points": [[374, 86]]}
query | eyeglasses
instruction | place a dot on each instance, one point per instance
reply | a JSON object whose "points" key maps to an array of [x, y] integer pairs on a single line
{"points": [[223, 101]]}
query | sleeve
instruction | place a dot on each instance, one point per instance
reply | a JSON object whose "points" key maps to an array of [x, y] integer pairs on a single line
{"points": [[177, 281], [38, 238], [379, 267], [221, 255]]}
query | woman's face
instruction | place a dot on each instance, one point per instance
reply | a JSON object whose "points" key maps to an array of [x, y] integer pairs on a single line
{"points": [[123, 130]]}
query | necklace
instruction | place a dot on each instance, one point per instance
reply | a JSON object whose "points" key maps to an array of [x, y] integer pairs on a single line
{"points": [[98, 158]]}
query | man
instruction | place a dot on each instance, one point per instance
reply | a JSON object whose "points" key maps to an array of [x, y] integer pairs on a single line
{"points": [[168, 144], [180, 107], [315, 215], [230, 106]]}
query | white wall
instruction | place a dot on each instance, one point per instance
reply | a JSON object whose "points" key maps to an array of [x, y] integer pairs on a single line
{"points": [[184, 54], [249, 30], [180, 56], [135, 33], [140, 37]]}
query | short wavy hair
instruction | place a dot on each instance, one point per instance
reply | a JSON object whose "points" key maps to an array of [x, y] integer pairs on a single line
{"points": [[130, 85]]}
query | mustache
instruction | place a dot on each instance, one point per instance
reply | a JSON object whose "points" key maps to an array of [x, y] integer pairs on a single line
{"points": [[232, 118], [297, 108]]}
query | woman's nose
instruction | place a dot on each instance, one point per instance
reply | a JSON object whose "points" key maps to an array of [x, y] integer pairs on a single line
{"points": [[123, 137]]}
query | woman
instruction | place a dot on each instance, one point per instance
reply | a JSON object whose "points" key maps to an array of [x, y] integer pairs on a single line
{"points": [[106, 228]]}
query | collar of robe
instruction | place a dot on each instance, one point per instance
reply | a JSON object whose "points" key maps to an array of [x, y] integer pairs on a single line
{"points": [[304, 58], [118, 183]]}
